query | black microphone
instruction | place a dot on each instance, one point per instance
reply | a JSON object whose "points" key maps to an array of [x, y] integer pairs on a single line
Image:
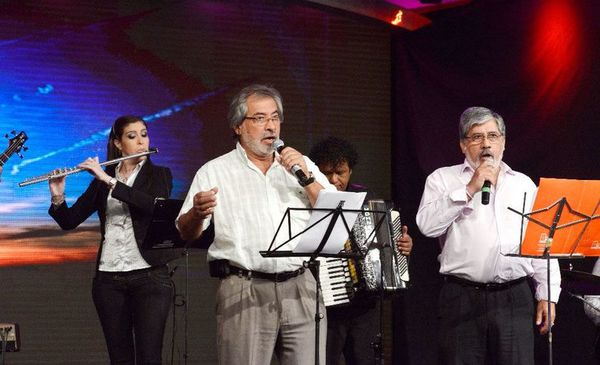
{"points": [[487, 185], [303, 180], [485, 192]]}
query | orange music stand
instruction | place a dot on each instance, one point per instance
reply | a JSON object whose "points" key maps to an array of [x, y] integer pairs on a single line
{"points": [[565, 220], [564, 223]]}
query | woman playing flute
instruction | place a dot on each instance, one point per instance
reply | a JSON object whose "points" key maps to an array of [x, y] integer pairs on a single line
{"points": [[132, 289]]}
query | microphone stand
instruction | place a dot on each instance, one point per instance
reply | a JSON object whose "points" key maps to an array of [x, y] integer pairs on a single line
{"points": [[185, 308], [183, 303]]}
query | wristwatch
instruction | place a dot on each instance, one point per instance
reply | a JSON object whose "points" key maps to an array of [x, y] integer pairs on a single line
{"points": [[307, 180], [112, 183]]}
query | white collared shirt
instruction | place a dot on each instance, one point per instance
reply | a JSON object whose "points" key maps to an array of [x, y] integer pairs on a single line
{"points": [[476, 238], [250, 207], [120, 251]]}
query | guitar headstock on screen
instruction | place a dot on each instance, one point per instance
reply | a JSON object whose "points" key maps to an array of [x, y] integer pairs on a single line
{"points": [[15, 144]]}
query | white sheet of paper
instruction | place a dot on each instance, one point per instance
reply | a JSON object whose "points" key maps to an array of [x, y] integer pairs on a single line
{"points": [[309, 241]]}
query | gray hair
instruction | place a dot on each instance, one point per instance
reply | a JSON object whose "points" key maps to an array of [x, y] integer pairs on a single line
{"points": [[238, 107], [477, 115]]}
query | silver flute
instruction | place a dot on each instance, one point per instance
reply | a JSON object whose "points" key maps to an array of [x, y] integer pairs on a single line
{"points": [[74, 170]]}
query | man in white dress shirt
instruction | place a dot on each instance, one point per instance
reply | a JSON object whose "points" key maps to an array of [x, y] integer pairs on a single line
{"points": [[264, 305], [486, 306]]}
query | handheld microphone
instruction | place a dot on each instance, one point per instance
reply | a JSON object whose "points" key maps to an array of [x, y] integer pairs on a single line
{"points": [[487, 186], [303, 180], [485, 192]]}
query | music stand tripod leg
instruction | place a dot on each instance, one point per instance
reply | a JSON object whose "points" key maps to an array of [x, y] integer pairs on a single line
{"points": [[377, 343], [549, 319], [546, 255], [313, 265]]}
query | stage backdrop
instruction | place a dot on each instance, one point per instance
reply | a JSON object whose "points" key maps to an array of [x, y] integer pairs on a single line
{"points": [[70, 68], [535, 63]]}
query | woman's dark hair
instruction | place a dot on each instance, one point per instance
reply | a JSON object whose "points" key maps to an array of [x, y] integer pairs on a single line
{"points": [[116, 132]]}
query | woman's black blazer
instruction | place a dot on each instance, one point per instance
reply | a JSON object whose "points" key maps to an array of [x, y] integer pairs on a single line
{"points": [[152, 182]]}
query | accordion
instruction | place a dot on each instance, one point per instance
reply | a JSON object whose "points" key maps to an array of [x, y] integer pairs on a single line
{"points": [[383, 267]]}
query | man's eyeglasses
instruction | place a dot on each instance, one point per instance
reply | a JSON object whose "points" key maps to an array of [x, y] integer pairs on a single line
{"points": [[477, 138], [262, 119]]}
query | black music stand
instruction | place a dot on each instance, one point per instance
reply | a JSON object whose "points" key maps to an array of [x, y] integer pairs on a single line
{"points": [[313, 264], [162, 234], [550, 229]]}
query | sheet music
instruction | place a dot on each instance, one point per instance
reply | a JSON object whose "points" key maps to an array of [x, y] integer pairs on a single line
{"points": [[309, 241]]}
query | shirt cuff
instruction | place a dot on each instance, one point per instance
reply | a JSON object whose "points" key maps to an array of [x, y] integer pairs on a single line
{"points": [[460, 196], [541, 292]]}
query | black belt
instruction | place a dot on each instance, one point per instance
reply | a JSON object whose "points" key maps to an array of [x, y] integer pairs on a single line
{"points": [[483, 286], [276, 277], [129, 274]]}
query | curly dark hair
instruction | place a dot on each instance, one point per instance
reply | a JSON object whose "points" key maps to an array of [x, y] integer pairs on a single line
{"points": [[333, 151]]}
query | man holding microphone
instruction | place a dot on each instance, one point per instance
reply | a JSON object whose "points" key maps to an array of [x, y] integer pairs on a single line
{"points": [[486, 306]]}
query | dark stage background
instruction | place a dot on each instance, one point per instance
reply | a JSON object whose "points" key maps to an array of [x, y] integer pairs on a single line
{"points": [[69, 68], [534, 62]]}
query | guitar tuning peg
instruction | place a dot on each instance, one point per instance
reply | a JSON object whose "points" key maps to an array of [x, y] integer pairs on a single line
{"points": [[25, 148], [6, 136], [19, 154], [13, 132]]}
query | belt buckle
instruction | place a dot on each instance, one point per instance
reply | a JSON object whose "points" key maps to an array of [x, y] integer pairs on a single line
{"points": [[246, 274], [241, 273], [284, 276], [280, 277], [482, 286]]}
